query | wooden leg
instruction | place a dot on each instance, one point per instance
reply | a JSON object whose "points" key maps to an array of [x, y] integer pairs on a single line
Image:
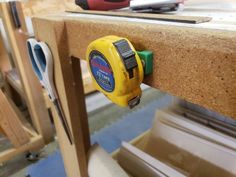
{"points": [[80, 99], [35, 143], [78, 120], [68, 81]]}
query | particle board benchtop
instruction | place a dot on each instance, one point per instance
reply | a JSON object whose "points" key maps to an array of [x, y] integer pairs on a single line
{"points": [[196, 62]]}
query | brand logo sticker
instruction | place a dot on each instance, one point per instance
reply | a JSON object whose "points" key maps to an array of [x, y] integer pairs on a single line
{"points": [[102, 71]]}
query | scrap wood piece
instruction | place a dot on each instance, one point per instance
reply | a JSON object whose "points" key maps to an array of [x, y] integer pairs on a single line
{"points": [[100, 163], [11, 124], [161, 17], [35, 144], [25, 124], [13, 78]]}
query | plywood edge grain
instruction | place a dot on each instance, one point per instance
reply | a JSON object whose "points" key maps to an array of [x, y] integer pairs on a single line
{"points": [[160, 17]]}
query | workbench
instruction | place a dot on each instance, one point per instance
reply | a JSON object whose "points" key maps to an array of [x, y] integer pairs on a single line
{"points": [[196, 62]]}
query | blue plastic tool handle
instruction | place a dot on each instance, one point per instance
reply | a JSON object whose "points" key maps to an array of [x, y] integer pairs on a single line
{"points": [[40, 56], [35, 66]]}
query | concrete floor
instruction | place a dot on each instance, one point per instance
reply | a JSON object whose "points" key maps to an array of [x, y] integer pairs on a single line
{"points": [[101, 114]]}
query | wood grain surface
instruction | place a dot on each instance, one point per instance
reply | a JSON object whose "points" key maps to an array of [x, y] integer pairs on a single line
{"points": [[10, 123], [68, 81]]}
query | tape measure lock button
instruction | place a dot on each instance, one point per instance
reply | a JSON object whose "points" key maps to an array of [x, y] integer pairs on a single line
{"points": [[126, 53]]}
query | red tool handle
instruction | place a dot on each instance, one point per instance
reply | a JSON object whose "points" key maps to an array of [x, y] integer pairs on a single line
{"points": [[102, 4]]}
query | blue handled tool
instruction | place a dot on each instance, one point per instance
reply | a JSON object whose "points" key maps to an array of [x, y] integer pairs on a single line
{"points": [[42, 62]]}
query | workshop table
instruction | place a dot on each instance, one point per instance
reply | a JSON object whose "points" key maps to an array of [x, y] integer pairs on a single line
{"points": [[194, 59]]}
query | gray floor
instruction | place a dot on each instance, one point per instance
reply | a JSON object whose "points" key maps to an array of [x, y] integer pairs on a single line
{"points": [[101, 113]]}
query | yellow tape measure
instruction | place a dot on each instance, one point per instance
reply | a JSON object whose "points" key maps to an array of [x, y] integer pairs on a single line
{"points": [[116, 69]]}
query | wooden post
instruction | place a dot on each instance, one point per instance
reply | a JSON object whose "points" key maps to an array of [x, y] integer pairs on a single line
{"points": [[5, 64], [68, 81]]}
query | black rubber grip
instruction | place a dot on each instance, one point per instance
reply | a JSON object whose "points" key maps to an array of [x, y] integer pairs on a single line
{"points": [[83, 4], [114, 0], [15, 14]]}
